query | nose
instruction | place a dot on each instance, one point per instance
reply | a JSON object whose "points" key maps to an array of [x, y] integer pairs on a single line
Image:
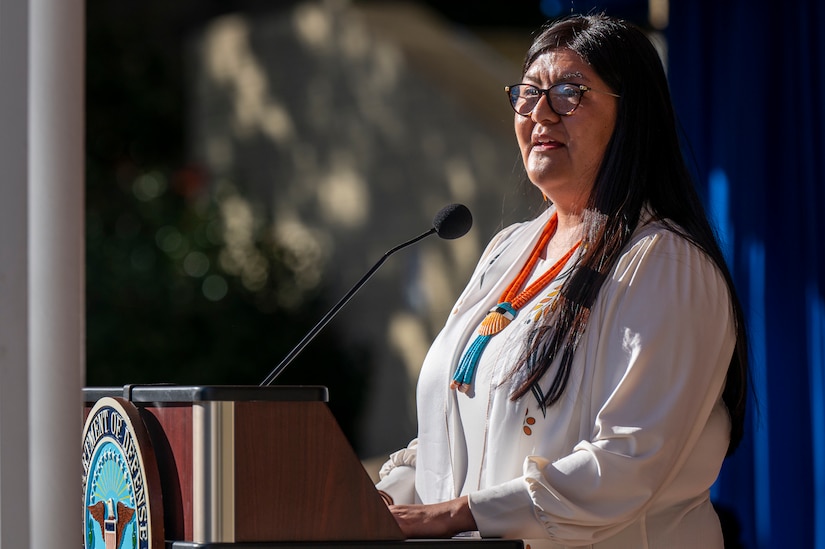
{"points": [[543, 112]]}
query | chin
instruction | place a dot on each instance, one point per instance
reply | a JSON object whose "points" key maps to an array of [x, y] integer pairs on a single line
{"points": [[548, 188]]}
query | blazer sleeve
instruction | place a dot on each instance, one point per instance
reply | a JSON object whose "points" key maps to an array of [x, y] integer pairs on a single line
{"points": [[397, 474]]}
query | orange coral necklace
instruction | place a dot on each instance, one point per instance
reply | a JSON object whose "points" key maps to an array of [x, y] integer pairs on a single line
{"points": [[513, 299]]}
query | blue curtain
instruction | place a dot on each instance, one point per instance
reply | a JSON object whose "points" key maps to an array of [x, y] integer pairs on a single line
{"points": [[748, 80]]}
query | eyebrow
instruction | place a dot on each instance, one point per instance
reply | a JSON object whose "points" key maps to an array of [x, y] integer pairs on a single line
{"points": [[565, 77]]}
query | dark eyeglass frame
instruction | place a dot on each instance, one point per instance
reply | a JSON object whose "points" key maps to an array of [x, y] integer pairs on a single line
{"points": [[578, 90]]}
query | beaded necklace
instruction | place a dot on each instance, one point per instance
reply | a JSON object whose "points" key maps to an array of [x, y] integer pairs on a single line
{"points": [[513, 299]]}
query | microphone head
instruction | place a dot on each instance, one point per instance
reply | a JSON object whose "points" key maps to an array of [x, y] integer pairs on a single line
{"points": [[452, 221]]}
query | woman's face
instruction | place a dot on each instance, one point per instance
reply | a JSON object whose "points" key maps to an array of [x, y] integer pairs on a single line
{"points": [[562, 154]]}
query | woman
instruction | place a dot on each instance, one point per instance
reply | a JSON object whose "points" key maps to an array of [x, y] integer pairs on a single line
{"points": [[596, 401]]}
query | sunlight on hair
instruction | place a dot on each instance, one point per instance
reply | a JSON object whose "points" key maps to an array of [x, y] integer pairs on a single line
{"points": [[594, 221], [660, 44]]}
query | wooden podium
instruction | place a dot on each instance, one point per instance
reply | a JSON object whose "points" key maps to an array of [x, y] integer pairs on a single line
{"points": [[258, 467]]}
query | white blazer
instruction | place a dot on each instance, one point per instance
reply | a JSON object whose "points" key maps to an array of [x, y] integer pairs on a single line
{"points": [[627, 456]]}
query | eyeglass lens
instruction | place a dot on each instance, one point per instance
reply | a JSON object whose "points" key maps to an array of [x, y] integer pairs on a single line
{"points": [[564, 98]]}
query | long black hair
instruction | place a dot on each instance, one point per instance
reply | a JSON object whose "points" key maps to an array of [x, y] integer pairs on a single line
{"points": [[643, 167]]}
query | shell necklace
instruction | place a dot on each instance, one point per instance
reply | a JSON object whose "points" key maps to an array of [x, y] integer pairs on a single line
{"points": [[513, 299]]}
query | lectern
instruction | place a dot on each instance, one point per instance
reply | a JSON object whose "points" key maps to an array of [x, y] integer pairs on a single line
{"points": [[239, 467]]}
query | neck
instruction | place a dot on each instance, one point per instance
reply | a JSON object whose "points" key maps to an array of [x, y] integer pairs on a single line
{"points": [[568, 220], [570, 223], [570, 210], [568, 232]]}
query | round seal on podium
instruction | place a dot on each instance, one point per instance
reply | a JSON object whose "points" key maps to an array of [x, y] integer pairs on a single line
{"points": [[122, 506]]}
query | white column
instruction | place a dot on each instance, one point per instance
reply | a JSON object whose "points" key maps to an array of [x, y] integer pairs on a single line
{"points": [[56, 263], [14, 295]]}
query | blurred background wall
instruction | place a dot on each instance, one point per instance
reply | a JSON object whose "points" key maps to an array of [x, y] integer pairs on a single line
{"points": [[342, 129], [248, 161]]}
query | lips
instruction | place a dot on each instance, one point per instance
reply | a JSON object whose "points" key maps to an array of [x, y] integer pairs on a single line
{"points": [[545, 143]]}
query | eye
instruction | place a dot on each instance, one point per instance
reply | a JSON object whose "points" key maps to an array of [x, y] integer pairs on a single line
{"points": [[566, 91], [529, 91]]}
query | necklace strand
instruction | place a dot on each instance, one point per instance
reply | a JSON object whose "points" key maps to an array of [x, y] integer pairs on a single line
{"points": [[513, 299]]}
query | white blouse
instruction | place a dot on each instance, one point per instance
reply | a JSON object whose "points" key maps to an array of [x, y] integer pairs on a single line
{"points": [[627, 456]]}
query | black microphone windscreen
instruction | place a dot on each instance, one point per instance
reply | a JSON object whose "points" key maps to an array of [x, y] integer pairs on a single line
{"points": [[452, 221]]}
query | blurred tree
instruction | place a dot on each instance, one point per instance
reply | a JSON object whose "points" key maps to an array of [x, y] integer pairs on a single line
{"points": [[165, 302]]}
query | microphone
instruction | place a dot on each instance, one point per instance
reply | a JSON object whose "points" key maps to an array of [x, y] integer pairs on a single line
{"points": [[451, 222]]}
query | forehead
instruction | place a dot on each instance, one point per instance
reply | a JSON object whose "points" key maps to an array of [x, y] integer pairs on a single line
{"points": [[558, 65]]}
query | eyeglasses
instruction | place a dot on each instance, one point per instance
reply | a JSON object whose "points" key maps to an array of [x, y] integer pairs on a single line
{"points": [[562, 98]]}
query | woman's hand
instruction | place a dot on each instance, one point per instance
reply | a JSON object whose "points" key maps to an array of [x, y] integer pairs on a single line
{"points": [[437, 520]]}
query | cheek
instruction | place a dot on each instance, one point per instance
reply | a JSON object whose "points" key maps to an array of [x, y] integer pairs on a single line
{"points": [[607, 129], [606, 134], [524, 131], [594, 143]]}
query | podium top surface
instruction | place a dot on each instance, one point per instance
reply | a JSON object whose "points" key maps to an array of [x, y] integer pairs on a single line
{"points": [[165, 393], [454, 543]]}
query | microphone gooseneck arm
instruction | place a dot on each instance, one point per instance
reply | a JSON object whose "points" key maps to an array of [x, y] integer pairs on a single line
{"points": [[332, 312]]}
